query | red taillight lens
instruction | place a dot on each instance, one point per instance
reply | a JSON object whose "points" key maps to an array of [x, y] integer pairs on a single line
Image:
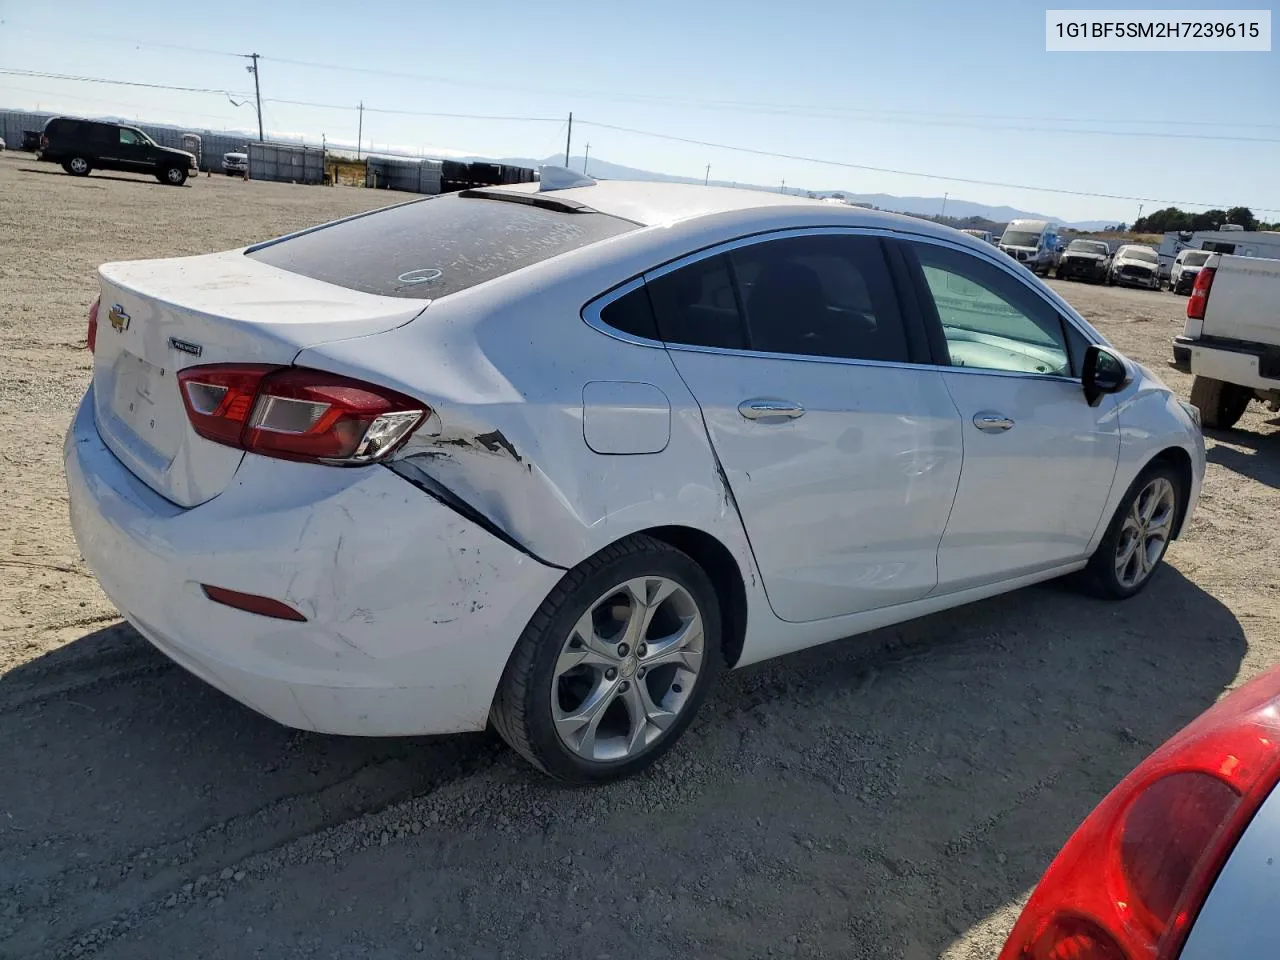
{"points": [[1131, 880], [92, 338], [297, 414], [252, 603], [1200, 293], [219, 398]]}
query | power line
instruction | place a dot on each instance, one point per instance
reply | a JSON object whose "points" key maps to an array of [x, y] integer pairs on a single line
{"points": [[905, 173], [132, 41], [119, 83], [410, 113], [923, 118]]}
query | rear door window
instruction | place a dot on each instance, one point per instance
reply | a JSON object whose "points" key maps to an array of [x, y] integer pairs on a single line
{"points": [[435, 247], [822, 296]]}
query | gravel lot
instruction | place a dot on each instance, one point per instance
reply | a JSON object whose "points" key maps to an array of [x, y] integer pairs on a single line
{"points": [[894, 795]]}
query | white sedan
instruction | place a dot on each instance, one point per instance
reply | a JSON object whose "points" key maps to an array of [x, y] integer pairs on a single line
{"points": [[1178, 861], [550, 457]]}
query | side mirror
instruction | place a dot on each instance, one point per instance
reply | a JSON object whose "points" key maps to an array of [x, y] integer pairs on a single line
{"points": [[1104, 372]]}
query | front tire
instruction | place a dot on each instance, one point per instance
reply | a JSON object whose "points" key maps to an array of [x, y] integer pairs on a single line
{"points": [[1221, 404], [1139, 534], [613, 666], [174, 176]]}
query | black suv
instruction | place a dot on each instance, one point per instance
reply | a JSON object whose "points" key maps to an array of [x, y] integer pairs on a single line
{"points": [[82, 146]]}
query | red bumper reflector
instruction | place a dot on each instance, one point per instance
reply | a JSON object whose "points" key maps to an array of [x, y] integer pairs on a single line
{"points": [[252, 603]]}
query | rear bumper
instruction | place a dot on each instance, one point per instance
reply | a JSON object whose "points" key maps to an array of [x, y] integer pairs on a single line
{"points": [[1246, 364], [412, 611]]}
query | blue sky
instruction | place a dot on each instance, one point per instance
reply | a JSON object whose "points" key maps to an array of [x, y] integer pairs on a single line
{"points": [[936, 86]]}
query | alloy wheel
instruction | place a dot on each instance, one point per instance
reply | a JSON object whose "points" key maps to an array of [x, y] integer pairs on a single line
{"points": [[1145, 532], [627, 669]]}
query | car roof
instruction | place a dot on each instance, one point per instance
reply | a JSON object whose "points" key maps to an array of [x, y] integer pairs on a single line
{"points": [[654, 203]]}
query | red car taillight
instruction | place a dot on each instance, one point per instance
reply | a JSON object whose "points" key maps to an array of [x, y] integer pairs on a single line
{"points": [[297, 414], [92, 337], [1131, 880], [1200, 293]]}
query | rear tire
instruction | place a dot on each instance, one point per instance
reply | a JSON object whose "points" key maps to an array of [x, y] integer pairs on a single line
{"points": [[1221, 404], [1139, 534], [77, 166], [644, 662]]}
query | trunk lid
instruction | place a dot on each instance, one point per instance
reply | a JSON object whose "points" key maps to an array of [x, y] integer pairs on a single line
{"points": [[160, 316]]}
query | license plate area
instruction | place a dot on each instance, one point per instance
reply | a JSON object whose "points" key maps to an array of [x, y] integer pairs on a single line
{"points": [[144, 400]]}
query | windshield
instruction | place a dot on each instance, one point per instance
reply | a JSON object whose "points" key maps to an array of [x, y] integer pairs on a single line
{"points": [[1088, 246], [1141, 253], [1020, 238], [1195, 259]]}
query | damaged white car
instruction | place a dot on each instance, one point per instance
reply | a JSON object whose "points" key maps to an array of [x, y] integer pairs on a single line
{"points": [[550, 457]]}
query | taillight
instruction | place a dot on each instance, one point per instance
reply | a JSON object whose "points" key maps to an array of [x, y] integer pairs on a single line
{"points": [[1131, 880], [1200, 293], [297, 414], [92, 337]]}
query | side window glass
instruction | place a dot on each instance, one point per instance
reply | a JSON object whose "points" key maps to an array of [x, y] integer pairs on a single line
{"points": [[825, 296], [128, 136], [696, 305], [991, 320], [632, 313]]}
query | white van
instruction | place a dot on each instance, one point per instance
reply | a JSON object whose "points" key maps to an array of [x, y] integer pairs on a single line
{"points": [[1033, 243]]}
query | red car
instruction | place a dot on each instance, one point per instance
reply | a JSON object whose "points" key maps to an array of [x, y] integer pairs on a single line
{"points": [[1181, 861]]}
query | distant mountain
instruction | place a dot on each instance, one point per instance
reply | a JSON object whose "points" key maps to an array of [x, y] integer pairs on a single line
{"points": [[917, 206]]}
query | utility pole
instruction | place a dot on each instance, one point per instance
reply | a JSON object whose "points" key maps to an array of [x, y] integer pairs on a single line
{"points": [[568, 140], [944, 204], [784, 187], [360, 131], [586, 158], [707, 179], [1139, 212], [257, 90]]}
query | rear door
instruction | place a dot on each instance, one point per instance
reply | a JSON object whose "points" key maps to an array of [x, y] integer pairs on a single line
{"points": [[843, 455], [1038, 460]]}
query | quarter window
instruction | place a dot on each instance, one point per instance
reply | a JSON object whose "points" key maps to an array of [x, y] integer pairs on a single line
{"points": [[989, 319], [631, 313]]}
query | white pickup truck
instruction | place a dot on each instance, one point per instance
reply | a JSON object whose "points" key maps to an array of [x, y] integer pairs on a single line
{"points": [[1231, 342]]}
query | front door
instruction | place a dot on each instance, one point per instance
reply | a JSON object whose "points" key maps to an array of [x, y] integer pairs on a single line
{"points": [[132, 151], [842, 456], [1038, 460]]}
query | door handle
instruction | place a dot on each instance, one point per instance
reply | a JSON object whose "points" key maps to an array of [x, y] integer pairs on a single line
{"points": [[989, 422], [770, 411]]}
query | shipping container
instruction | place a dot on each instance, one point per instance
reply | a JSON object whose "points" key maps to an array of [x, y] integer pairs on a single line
{"points": [[286, 163]]}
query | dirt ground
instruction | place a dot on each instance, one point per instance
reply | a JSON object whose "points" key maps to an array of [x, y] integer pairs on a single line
{"points": [[890, 796]]}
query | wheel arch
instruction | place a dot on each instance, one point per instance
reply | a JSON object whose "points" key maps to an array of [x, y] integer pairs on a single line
{"points": [[726, 576], [1180, 461]]}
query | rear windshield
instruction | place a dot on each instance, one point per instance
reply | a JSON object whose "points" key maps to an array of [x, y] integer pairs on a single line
{"points": [[431, 248]]}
